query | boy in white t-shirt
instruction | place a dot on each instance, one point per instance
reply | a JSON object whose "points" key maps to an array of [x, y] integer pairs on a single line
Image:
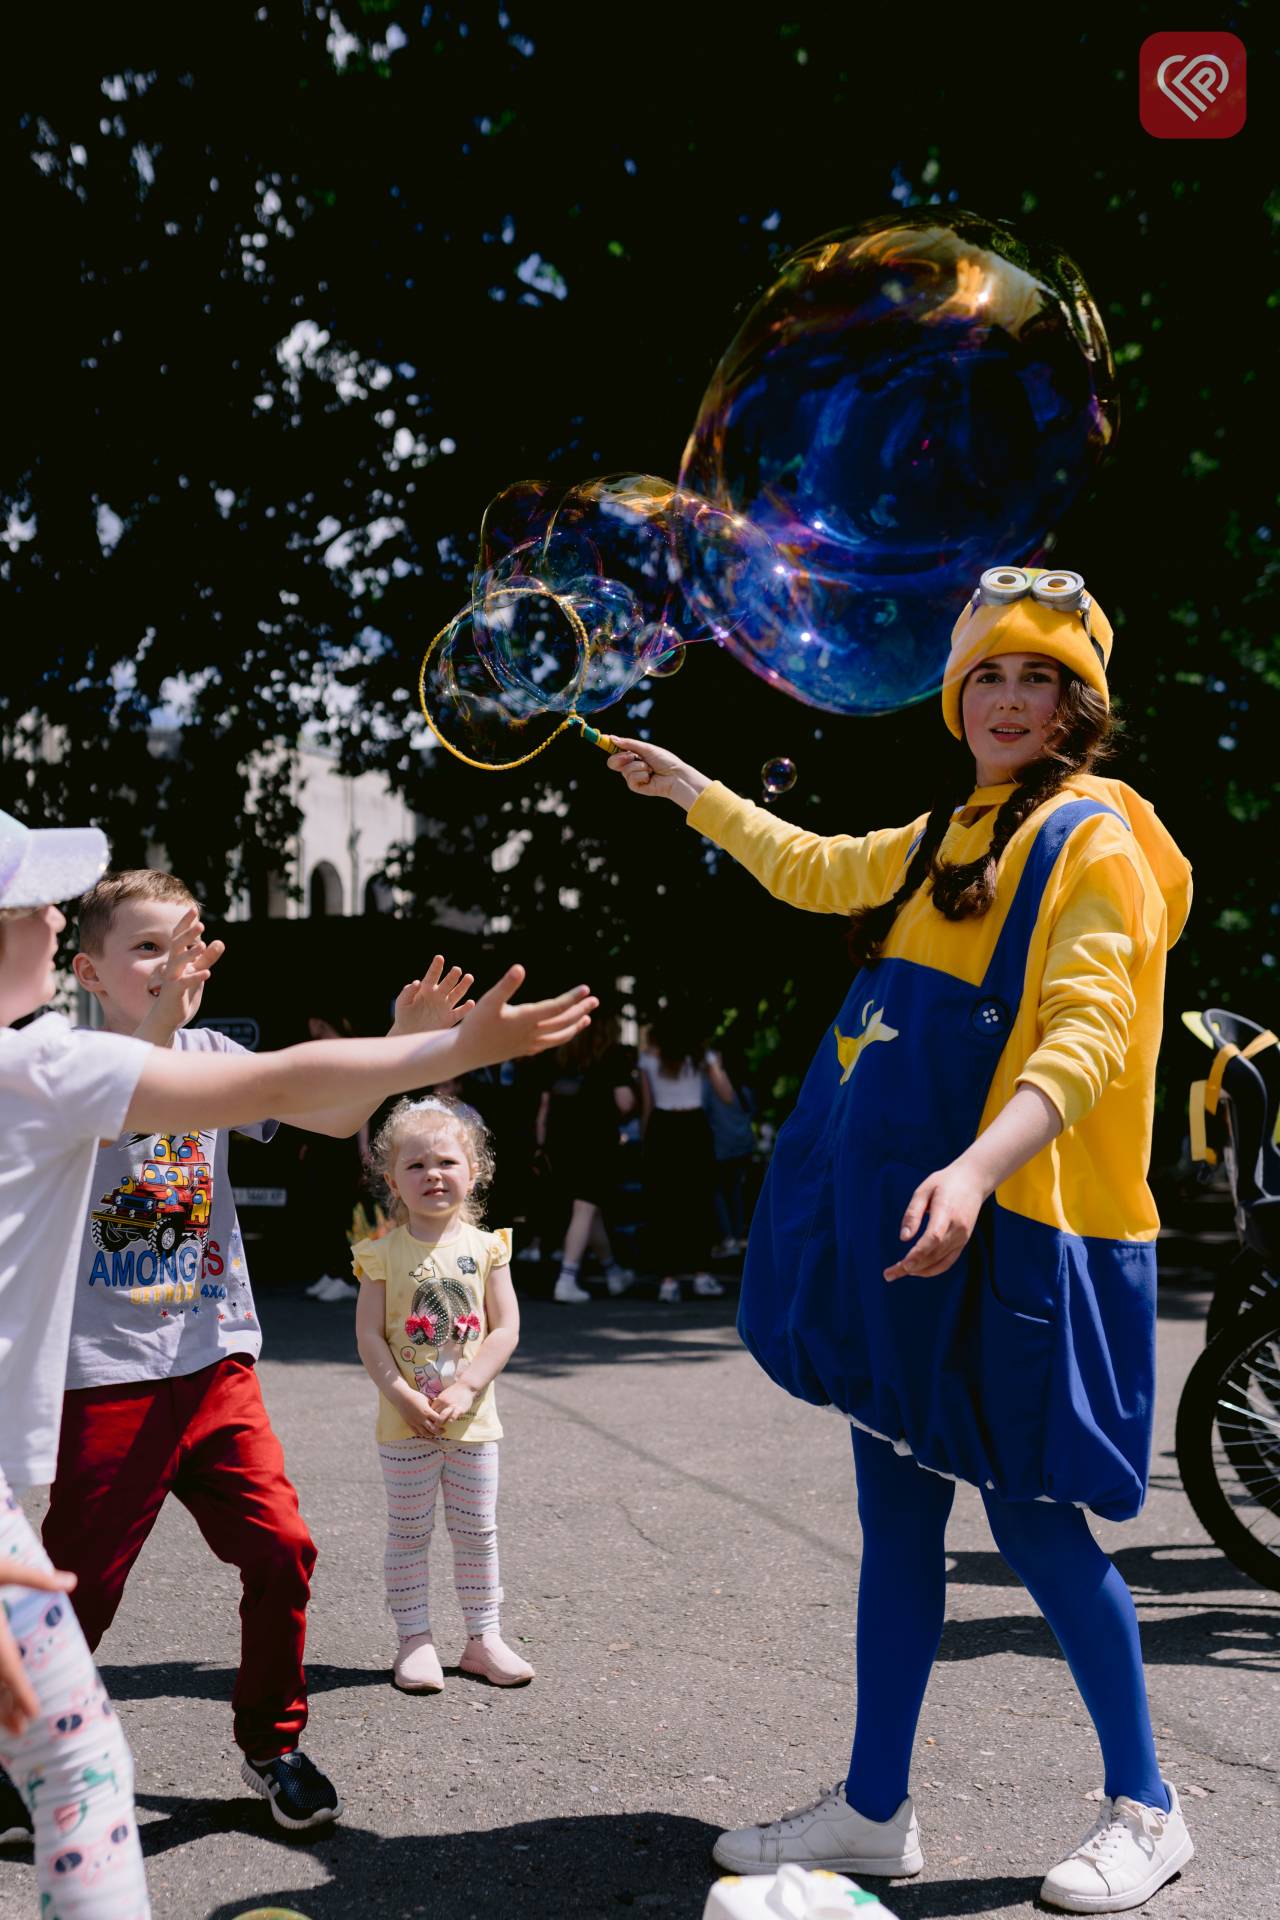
{"points": [[61, 1091], [162, 1389]]}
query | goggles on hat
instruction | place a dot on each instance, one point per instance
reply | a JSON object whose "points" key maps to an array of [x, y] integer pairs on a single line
{"points": [[1056, 587]]}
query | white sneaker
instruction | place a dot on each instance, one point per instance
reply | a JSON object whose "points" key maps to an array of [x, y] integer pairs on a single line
{"points": [[830, 1833], [319, 1288], [619, 1280], [706, 1286], [1128, 1852], [531, 1252], [669, 1293], [568, 1290]]}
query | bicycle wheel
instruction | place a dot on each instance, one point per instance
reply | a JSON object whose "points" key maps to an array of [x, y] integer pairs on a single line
{"points": [[1245, 1283], [1228, 1441]]}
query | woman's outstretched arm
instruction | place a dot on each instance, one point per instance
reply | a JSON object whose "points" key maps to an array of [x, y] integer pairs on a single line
{"points": [[821, 873]]}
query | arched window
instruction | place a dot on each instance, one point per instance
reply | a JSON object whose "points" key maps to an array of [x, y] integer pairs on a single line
{"points": [[379, 894], [324, 895]]}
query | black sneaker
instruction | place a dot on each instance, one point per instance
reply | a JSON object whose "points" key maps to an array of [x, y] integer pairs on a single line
{"points": [[16, 1829], [300, 1795]]}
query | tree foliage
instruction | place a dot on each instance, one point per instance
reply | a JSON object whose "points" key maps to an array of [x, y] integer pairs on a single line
{"points": [[297, 289]]}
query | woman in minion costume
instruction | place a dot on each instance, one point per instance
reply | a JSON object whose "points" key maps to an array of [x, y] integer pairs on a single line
{"points": [[955, 1244]]}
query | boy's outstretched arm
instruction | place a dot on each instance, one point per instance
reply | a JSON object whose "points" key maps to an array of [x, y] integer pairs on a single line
{"points": [[433, 1004], [177, 1090]]}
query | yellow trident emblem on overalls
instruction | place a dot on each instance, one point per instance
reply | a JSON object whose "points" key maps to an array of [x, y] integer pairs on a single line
{"points": [[873, 1028]]}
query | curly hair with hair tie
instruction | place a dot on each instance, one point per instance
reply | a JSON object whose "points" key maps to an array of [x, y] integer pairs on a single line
{"points": [[437, 1112], [1083, 735]]}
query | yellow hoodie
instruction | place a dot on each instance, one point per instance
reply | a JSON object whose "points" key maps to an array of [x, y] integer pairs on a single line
{"points": [[1087, 1031]]}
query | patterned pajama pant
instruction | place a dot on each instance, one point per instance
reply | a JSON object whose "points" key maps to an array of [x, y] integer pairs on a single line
{"points": [[467, 1473], [71, 1765]]}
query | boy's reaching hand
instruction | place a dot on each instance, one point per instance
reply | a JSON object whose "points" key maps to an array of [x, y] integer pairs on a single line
{"points": [[178, 987], [496, 1031], [436, 1002]]}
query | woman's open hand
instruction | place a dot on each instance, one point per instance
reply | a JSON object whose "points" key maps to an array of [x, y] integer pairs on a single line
{"points": [[650, 769], [951, 1200]]}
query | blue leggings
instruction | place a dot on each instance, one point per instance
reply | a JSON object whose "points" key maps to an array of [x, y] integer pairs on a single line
{"points": [[902, 1597]]}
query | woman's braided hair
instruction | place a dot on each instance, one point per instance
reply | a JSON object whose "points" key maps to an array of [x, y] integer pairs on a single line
{"points": [[1083, 734]]}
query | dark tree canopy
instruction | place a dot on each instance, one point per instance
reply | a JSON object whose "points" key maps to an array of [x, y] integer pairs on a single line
{"points": [[296, 290]]}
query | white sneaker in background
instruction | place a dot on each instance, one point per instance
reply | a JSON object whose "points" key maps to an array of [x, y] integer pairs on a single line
{"points": [[531, 1252], [829, 1833], [706, 1286], [669, 1293], [318, 1288], [1128, 1853], [336, 1289], [618, 1279], [569, 1292]]}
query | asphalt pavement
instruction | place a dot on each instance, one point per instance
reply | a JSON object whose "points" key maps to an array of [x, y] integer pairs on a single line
{"points": [[680, 1560]]}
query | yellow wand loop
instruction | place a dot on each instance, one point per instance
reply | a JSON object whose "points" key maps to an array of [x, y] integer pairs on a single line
{"points": [[592, 735]]}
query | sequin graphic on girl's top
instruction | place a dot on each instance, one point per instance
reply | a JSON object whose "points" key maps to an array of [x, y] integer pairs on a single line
{"points": [[443, 1322]]}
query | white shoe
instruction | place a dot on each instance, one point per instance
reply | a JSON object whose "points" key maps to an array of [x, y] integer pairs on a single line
{"points": [[706, 1286], [619, 1280], [669, 1293], [529, 1253], [319, 1288], [1128, 1852], [568, 1291], [830, 1833]]}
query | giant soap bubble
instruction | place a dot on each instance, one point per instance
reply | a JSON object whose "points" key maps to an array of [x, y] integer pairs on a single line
{"points": [[909, 401]]}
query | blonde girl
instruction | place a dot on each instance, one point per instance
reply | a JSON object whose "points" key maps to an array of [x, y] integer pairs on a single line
{"points": [[436, 1322]]}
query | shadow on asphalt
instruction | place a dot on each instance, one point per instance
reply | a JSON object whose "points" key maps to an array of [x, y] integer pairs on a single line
{"points": [[541, 1869], [553, 1339], [1164, 1569], [1182, 1302], [1244, 1642], [187, 1681]]}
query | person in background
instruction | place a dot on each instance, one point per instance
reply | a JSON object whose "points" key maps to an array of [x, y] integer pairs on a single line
{"points": [[733, 1142], [679, 1160], [589, 1095], [323, 1195]]}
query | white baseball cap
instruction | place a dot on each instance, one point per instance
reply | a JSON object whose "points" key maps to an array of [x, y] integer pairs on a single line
{"points": [[39, 865]]}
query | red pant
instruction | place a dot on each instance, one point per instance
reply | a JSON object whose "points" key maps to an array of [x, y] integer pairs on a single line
{"points": [[206, 1438]]}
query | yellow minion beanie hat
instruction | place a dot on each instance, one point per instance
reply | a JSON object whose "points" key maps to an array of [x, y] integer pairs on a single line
{"points": [[1079, 637]]}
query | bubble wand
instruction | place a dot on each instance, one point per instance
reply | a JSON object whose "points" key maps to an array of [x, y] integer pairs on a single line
{"points": [[592, 735]]}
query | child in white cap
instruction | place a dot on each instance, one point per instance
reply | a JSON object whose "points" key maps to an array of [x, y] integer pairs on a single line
{"points": [[62, 1090]]}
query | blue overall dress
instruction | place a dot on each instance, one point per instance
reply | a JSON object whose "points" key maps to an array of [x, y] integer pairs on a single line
{"points": [[1026, 1368]]}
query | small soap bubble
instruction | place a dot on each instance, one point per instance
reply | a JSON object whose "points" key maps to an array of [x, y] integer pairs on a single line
{"points": [[777, 777], [664, 665]]}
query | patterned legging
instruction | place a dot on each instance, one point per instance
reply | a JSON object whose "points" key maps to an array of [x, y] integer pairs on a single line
{"points": [[467, 1472], [71, 1765]]}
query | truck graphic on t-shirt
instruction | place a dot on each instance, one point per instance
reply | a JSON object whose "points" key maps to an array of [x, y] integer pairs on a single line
{"points": [[168, 1200]]}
